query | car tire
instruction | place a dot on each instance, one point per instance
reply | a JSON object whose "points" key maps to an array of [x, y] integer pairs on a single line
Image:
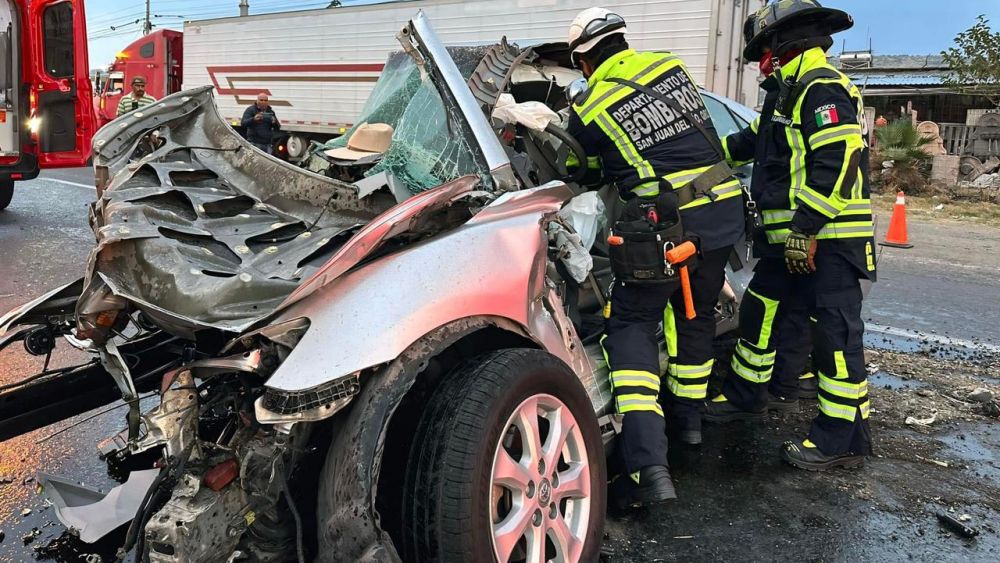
{"points": [[6, 193], [475, 492]]}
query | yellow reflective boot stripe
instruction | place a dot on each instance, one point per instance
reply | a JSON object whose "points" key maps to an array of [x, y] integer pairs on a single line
{"points": [[843, 389], [831, 409], [635, 378], [753, 358], [635, 402], [770, 310], [695, 391], [832, 135]]}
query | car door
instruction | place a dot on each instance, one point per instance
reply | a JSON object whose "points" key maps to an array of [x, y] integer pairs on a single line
{"points": [[57, 72]]}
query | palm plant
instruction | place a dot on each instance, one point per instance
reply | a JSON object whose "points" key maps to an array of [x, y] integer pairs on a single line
{"points": [[901, 143]]}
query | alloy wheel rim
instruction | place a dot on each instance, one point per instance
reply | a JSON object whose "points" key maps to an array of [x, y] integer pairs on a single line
{"points": [[540, 485]]}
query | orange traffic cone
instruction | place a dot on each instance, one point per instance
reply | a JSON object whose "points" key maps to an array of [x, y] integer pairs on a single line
{"points": [[896, 236]]}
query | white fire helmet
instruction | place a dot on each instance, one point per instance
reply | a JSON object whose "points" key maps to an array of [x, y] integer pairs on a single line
{"points": [[591, 26]]}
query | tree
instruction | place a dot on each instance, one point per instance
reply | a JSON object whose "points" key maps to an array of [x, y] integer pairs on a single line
{"points": [[975, 62]]}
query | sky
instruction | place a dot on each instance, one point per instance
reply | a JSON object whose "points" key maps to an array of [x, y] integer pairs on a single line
{"points": [[896, 27]]}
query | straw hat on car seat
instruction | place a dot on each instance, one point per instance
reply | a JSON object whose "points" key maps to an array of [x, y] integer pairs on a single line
{"points": [[369, 139]]}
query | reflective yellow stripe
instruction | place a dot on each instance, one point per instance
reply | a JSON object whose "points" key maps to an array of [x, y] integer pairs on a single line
{"points": [[852, 229], [696, 391], [755, 124], [843, 389], [635, 402], [635, 378], [770, 310], [831, 409], [772, 216], [725, 149], [865, 409], [593, 162], [749, 374], [753, 358], [602, 101], [646, 190], [682, 177], [815, 200], [840, 362], [857, 207], [796, 163], [723, 191], [685, 371], [832, 135], [624, 144], [670, 330]]}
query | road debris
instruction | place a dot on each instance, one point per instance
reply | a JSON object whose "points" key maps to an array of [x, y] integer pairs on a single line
{"points": [[26, 512], [955, 526], [934, 461], [965, 517], [926, 421], [980, 395]]}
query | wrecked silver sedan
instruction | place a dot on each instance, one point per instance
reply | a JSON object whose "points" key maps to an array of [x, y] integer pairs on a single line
{"points": [[402, 367]]}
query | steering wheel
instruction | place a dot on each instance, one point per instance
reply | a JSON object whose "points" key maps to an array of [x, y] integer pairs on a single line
{"points": [[555, 160], [574, 146]]}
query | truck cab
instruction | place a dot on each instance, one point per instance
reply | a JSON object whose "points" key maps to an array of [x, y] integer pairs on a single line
{"points": [[46, 117], [156, 57]]}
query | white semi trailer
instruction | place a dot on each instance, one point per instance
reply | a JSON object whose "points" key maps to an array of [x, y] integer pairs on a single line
{"points": [[318, 66]]}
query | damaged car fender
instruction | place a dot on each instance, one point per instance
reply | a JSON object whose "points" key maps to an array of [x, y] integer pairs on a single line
{"points": [[492, 266]]}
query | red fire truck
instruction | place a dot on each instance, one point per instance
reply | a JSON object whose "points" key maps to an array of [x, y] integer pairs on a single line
{"points": [[46, 115], [156, 57]]}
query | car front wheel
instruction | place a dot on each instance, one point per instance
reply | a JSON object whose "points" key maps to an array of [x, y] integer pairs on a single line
{"points": [[507, 465]]}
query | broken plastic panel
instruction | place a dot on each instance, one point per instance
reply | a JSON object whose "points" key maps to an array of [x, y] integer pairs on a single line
{"points": [[91, 513]]}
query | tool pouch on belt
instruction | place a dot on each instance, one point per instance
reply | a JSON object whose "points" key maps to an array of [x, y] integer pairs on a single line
{"points": [[638, 243]]}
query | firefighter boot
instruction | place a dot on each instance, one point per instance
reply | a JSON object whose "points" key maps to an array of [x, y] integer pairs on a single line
{"points": [[805, 455], [808, 386], [648, 486], [781, 404], [719, 410]]}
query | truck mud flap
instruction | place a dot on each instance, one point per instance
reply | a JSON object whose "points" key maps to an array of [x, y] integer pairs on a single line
{"points": [[64, 395]]}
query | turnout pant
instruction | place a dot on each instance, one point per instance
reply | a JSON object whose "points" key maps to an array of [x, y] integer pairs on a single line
{"points": [[775, 314], [690, 342], [632, 350]]}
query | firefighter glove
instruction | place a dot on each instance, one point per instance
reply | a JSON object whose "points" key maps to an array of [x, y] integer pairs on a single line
{"points": [[800, 252]]}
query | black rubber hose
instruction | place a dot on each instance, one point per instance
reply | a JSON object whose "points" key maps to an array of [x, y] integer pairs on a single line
{"points": [[575, 147], [299, 547]]}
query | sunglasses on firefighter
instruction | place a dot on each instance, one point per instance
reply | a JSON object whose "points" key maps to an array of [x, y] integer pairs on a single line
{"points": [[595, 28]]}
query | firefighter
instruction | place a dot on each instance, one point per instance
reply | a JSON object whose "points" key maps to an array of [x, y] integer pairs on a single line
{"points": [[810, 180], [652, 138]]}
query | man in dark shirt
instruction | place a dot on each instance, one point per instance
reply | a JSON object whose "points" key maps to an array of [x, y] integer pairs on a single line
{"points": [[261, 123]]}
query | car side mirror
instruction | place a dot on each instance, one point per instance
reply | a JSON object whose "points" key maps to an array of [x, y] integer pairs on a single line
{"points": [[576, 89]]}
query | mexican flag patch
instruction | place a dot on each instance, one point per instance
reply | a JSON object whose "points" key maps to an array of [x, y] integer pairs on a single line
{"points": [[826, 115]]}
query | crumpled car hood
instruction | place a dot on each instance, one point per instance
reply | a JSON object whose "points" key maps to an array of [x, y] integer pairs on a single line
{"points": [[205, 231]]}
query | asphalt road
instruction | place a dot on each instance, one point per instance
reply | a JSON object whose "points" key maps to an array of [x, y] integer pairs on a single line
{"points": [[737, 502]]}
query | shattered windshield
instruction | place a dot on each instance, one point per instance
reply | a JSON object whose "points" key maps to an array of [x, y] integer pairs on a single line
{"points": [[427, 148]]}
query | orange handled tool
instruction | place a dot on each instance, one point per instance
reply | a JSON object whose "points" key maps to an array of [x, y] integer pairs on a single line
{"points": [[677, 255]]}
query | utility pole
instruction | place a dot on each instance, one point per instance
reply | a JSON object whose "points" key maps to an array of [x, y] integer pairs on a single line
{"points": [[147, 26], [244, 8]]}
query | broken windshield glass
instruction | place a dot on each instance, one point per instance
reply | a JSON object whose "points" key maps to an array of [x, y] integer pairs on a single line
{"points": [[426, 150]]}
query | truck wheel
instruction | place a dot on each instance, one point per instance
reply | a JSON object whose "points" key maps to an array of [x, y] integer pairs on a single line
{"points": [[507, 464], [6, 193]]}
